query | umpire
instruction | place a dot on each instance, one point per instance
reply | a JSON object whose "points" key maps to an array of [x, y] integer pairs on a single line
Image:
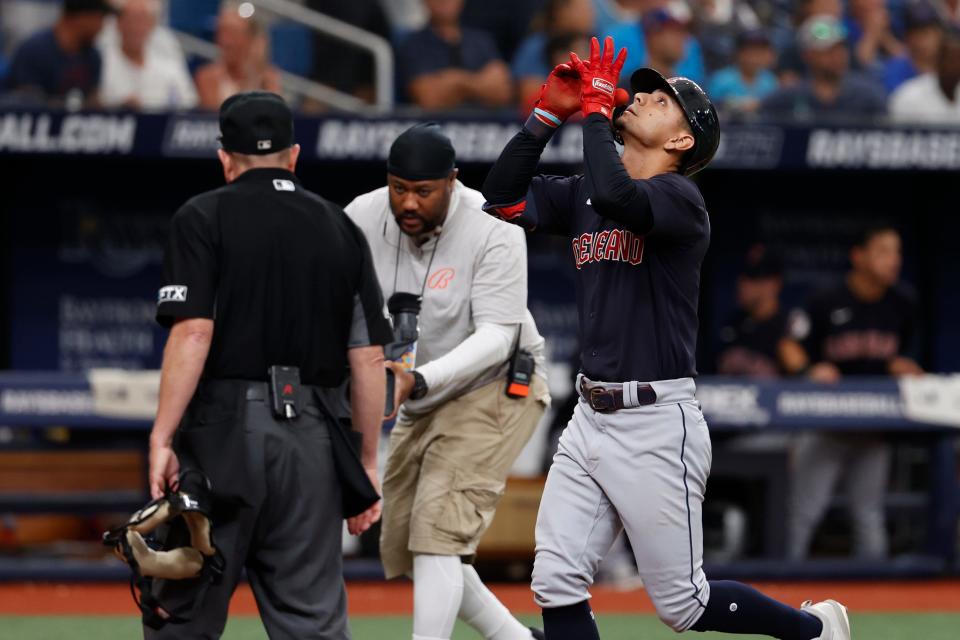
{"points": [[261, 274]]}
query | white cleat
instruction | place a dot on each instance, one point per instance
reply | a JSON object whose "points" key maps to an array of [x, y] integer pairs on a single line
{"points": [[833, 615]]}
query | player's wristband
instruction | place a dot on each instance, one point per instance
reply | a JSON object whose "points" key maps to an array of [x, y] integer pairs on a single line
{"points": [[542, 124]]}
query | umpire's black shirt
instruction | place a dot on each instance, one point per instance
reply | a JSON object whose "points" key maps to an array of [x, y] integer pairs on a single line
{"points": [[287, 277]]}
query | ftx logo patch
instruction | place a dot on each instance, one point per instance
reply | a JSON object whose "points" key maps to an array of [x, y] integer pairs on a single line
{"points": [[172, 293]]}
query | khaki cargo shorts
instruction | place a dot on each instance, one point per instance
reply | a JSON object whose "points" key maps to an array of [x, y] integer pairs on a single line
{"points": [[446, 471]]}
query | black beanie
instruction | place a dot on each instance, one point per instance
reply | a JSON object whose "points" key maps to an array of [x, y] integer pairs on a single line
{"points": [[422, 152]]}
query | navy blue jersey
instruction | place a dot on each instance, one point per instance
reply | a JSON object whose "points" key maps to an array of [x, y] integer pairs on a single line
{"points": [[860, 338], [637, 244], [637, 289], [749, 347]]}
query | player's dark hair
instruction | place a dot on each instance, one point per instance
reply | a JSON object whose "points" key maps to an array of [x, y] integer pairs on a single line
{"points": [[872, 230]]}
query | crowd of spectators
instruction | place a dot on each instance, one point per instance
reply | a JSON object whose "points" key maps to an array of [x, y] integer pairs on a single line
{"points": [[797, 59]]}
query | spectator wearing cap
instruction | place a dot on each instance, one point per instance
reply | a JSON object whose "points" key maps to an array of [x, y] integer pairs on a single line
{"points": [[932, 98], [791, 67], [752, 337], [743, 85], [870, 35], [923, 36], [563, 19], [830, 90], [661, 40], [445, 65], [60, 64], [136, 77], [243, 64]]}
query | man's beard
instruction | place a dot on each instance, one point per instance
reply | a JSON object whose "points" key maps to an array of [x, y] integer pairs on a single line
{"points": [[426, 226]]}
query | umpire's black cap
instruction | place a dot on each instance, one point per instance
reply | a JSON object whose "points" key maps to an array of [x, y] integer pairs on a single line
{"points": [[700, 113], [255, 123]]}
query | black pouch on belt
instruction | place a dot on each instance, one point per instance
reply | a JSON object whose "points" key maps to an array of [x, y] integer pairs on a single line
{"points": [[356, 490]]}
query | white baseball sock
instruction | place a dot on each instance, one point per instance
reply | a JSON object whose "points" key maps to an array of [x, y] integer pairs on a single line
{"points": [[437, 592], [481, 610]]}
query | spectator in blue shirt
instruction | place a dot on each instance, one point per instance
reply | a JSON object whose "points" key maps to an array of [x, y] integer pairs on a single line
{"points": [[532, 63], [742, 86], [60, 63], [661, 40], [829, 90], [924, 32], [444, 66]]}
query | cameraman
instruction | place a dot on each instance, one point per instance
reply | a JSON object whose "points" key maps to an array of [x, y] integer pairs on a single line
{"points": [[468, 403]]}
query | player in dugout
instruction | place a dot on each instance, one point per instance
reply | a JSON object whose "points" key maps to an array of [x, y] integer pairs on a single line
{"points": [[864, 325]]}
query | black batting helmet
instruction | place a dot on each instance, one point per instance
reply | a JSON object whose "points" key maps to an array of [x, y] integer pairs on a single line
{"points": [[700, 113]]}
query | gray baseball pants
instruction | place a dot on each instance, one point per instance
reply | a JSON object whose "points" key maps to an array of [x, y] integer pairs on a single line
{"points": [[643, 469]]}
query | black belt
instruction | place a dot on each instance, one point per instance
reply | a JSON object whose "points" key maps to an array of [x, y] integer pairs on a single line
{"points": [[606, 398], [260, 392]]}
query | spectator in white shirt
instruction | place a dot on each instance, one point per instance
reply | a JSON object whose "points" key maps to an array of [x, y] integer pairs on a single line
{"points": [[932, 98], [134, 75]]}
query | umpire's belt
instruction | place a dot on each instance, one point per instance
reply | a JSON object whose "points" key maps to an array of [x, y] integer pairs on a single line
{"points": [[260, 391], [605, 397]]}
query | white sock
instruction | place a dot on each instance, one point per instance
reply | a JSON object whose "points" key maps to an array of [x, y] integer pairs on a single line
{"points": [[481, 610], [437, 592]]}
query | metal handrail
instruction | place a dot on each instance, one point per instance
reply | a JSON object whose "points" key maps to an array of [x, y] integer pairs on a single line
{"points": [[291, 82], [378, 47]]}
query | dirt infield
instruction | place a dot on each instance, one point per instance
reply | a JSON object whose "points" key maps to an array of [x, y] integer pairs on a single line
{"points": [[396, 598]]}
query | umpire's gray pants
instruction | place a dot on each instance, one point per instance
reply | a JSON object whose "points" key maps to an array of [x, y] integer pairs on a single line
{"points": [[289, 541], [643, 469]]}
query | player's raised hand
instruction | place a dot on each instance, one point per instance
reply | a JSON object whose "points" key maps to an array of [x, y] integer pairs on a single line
{"points": [[599, 78], [559, 96]]}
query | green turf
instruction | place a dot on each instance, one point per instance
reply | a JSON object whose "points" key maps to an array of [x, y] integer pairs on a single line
{"points": [[865, 627]]}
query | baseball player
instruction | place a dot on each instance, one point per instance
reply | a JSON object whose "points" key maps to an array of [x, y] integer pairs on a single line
{"points": [[636, 454], [458, 432], [864, 325]]}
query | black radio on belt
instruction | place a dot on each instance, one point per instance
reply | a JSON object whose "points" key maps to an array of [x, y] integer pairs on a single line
{"points": [[284, 391], [520, 374]]}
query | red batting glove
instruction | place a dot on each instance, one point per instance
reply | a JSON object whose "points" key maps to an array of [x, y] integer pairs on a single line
{"points": [[599, 77], [559, 96]]}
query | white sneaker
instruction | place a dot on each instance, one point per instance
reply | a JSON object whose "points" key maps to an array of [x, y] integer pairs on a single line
{"points": [[833, 615]]}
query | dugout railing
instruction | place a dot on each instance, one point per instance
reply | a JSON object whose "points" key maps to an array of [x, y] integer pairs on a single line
{"points": [[33, 403]]}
